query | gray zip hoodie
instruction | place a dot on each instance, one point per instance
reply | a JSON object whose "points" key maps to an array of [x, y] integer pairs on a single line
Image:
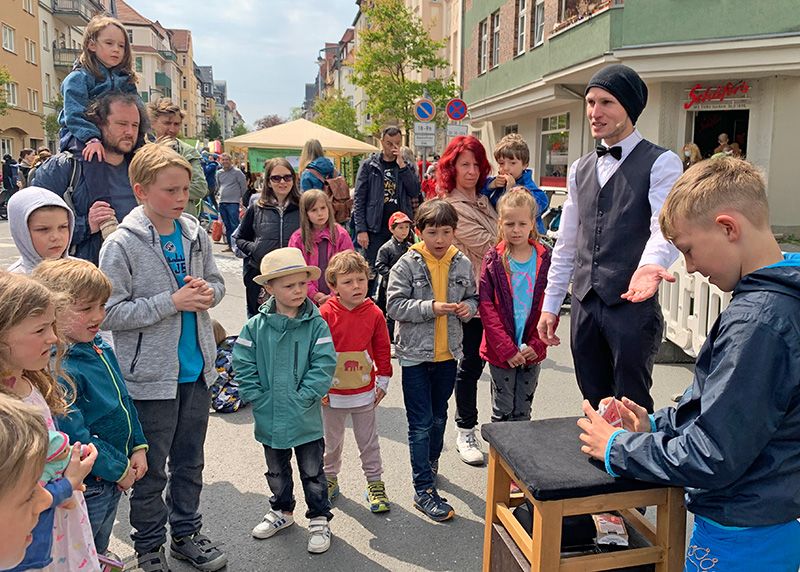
{"points": [[140, 313], [20, 207]]}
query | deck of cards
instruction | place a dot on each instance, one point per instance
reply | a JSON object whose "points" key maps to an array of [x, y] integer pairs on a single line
{"points": [[611, 412]]}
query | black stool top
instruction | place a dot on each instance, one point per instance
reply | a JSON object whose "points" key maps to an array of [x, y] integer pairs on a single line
{"points": [[546, 456]]}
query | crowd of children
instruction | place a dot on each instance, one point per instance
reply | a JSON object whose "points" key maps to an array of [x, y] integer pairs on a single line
{"points": [[83, 421]]}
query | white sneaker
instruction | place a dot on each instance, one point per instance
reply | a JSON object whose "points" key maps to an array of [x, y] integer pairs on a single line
{"points": [[319, 539], [273, 522], [469, 448]]}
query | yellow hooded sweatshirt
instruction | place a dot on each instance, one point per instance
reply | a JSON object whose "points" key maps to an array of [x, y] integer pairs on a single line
{"points": [[440, 279]]}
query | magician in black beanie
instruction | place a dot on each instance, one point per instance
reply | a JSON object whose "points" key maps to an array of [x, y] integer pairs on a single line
{"points": [[624, 84]]}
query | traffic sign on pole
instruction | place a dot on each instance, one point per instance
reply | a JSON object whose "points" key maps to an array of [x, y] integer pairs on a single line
{"points": [[456, 109], [424, 134], [424, 109]]}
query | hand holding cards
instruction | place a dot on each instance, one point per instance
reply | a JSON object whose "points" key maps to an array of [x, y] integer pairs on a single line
{"points": [[611, 412]]}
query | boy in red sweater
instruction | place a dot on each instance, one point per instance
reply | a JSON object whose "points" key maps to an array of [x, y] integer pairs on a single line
{"points": [[363, 371]]}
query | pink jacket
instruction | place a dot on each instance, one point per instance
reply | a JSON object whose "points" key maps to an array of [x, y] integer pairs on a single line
{"points": [[341, 244]]}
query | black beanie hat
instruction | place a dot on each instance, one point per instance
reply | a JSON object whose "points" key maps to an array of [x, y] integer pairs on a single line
{"points": [[624, 84]]}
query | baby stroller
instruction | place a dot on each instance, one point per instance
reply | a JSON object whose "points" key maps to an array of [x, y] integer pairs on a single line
{"points": [[207, 213]]}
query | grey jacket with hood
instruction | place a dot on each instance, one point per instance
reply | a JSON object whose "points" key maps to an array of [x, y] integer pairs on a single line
{"points": [[20, 207], [140, 312]]}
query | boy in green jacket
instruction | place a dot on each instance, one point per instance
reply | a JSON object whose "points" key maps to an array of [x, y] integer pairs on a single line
{"points": [[103, 413], [284, 360]]}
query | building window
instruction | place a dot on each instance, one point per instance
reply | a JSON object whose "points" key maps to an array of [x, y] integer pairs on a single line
{"points": [[33, 99], [483, 45], [185, 83], [8, 39], [11, 93], [144, 95], [522, 14], [537, 24], [495, 39], [7, 146], [47, 87], [509, 129], [130, 35], [555, 150], [27, 5], [30, 51], [138, 64], [45, 36], [185, 130]]}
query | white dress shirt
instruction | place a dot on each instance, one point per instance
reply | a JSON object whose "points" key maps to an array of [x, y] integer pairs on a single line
{"points": [[665, 171]]}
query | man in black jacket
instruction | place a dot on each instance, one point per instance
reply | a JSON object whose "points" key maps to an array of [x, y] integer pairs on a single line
{"points": [[385, 184]]}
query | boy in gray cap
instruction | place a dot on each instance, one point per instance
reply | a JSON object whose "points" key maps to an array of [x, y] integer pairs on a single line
{"points": [[610, 245]]}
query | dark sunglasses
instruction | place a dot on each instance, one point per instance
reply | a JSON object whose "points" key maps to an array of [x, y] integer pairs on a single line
{"points": [[279, 178]]}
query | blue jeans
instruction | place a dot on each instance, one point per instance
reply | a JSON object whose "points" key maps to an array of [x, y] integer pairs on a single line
{"points": [[312, 476], [230, 218], [426, 389], [102, 500]]}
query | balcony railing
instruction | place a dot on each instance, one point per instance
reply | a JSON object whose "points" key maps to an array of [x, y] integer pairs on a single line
{"points": [[168, 55], [65, 57], [573, 11], [76, 12]]}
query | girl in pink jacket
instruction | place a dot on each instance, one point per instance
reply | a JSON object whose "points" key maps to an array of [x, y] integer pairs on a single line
{"points": [[319, 238]]}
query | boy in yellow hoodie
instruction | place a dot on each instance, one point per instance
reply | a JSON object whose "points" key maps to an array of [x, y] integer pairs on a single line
{"points": [[431, 291]]}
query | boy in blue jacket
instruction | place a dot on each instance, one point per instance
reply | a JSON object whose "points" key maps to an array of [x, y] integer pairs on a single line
{"points": [[103, 412], [284, 359], [742, 481], [513, 156]]}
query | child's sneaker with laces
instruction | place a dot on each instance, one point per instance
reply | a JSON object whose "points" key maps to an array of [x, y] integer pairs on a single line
{"points": [[433, 506], [199, 551], [333, 488], [319, 535], [274, 521], [376, 496], [468, 447]]}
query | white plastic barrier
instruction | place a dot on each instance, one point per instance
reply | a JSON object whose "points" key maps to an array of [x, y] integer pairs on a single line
{"points": [[690, 306]]}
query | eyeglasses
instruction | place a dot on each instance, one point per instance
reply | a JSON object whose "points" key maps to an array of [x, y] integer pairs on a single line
{"points": [[279, 178]]}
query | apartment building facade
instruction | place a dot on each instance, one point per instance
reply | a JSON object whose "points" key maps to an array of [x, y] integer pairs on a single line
{"points": [[736, 71], [189, 86]]}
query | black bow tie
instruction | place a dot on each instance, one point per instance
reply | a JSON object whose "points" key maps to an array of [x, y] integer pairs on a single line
{"points": [[615, 151]]}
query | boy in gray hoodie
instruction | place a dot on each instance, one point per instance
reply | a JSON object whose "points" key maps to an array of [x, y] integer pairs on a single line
{"points": [[164, 280], [41, 226]]}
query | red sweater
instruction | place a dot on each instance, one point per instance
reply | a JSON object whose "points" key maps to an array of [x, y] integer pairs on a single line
{"points": [[363, 352]]}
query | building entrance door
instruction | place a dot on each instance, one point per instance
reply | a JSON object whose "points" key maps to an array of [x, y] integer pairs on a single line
{"points": [[709, 125]]}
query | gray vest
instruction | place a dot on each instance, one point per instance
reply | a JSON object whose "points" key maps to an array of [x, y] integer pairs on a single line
{"points": [[613, 223]]}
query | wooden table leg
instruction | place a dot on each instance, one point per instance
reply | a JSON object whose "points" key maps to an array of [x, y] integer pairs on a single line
{"points": [[671, 531], [498, 488], [546, 555]]}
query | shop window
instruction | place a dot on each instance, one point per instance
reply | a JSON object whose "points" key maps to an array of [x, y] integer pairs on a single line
{"points": [[554, 151], [483, 45], [709, 127]]}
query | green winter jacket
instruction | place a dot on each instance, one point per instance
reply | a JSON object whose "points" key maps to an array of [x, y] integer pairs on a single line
{"points": [[284, 367]]}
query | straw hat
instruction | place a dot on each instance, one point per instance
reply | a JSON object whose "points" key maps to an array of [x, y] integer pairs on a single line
{"points": [[282, 262]]}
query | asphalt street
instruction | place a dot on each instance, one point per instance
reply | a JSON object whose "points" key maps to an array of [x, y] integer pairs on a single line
{"points": [[235, 492]]}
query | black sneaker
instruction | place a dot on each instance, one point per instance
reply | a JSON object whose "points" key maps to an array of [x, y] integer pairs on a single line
{"points": [[434, 506], [199, 551], [155, 561]]}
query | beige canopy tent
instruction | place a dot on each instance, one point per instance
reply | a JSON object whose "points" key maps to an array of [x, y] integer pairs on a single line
{"points": [[287, 139]]}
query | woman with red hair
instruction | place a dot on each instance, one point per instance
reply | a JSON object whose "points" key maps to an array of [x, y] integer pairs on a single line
{"points": [[462, 172]]}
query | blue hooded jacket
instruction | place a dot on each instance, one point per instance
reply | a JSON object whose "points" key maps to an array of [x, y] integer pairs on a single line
{"points": [[525, 180], [321, 165], [733, 440]]}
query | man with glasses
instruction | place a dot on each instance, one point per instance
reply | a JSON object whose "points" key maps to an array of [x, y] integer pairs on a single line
{"points": [[385, 184], [231, 187]]}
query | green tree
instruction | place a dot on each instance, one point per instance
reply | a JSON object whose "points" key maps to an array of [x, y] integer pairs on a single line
{"points": [[240, 129], [296, 113], [337, 113], [5, 77], [50, 121], [213, 130], [394, 46]]}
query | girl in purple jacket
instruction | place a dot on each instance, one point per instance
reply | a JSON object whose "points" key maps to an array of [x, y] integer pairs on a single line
{"points": [[513, 278], [319, 238]]}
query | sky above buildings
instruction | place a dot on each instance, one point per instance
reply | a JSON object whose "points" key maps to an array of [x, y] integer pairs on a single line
{"points": [[265, 49]]}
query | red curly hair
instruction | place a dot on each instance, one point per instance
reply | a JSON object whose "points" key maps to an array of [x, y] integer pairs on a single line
{"points": [[446, 168]]}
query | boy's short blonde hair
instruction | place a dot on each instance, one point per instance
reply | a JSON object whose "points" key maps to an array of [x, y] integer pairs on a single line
{"points": [[345, 262], [23, 442], [714, 185], [152, 158], [78, 279], [512, 146]]}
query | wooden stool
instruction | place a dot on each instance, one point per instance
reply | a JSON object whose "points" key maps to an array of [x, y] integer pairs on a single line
{"points": [[545, 460]]}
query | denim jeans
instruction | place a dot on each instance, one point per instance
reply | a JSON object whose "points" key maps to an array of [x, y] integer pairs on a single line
{"points": [[426, 389], [312, 476], [175, 429], [230, 218], [102, 500], [470, 368]]}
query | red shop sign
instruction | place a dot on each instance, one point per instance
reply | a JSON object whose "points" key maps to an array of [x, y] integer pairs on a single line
{"points": [[701, 94]]}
